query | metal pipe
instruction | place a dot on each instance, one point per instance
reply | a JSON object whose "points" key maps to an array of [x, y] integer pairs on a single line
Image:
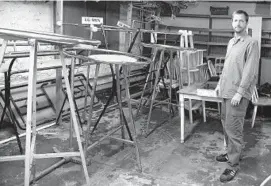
{"points": [[140, 60], [48, 170], [142, 9], [104, 137], [265, 181], [46, 37], [22, 54]]}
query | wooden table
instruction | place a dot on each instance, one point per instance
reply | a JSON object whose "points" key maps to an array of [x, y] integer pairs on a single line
{"points": [[190, 92]]}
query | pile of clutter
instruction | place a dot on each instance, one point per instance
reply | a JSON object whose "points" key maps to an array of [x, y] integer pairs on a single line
{"points": [[265, 90]]}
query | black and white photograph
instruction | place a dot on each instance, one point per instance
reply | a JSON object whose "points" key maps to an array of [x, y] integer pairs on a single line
{"points": [[135, 93]]}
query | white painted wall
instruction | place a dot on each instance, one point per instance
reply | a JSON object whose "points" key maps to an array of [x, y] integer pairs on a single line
{"points": [[27, 15]]}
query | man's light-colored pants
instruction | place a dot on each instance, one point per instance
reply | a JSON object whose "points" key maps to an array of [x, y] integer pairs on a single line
{"points": [[232, 118]]}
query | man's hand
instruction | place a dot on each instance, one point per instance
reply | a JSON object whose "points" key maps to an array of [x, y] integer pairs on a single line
{"points": [[236, 99]]}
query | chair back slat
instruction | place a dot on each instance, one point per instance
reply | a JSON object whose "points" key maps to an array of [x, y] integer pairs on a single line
{"points": [[212, 69], [255, 95]]}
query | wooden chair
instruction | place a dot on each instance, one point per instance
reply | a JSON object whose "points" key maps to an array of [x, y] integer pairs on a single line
{"points": [[211, 68], [258, 101], [219, 64], [192, 70]]}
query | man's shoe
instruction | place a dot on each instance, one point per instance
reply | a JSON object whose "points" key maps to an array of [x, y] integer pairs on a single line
{"points": [[227, 175], [222, 158]]}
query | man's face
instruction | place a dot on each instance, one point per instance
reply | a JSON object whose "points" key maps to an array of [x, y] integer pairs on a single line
{"points": [[239, 23]]}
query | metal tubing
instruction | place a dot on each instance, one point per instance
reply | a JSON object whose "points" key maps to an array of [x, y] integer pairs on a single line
{"points": [[30, 95], [131, 116], [72, 108], [86, 93], [48, 170], [46, 37], [154, 88], [91, 108], [146, 82], [170, 108], [34, 118], [103, 138], [117, 70], [71, 74], [23, 134], [123, 140]]}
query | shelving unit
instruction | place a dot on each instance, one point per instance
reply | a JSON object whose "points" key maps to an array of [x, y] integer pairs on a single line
{"points": [[215, 40]]}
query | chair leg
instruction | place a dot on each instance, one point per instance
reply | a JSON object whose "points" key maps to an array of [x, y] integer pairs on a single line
{"points": [[204, 111], [254, 116], [225, 144], [218, 108], [190, 111]]}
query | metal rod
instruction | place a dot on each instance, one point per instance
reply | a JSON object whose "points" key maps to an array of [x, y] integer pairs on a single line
{"points": [[56, 155], [125, 73], [23, 134], [12, 158], [87, 132], [142, 9], [146, 82], [46, 37], [72, 110], [103, 138], [123, 140], [86, 93], [154, 88], [117, 70], [71, 73], [34, 117], [30, 95], [23, 54], [48, 170]]}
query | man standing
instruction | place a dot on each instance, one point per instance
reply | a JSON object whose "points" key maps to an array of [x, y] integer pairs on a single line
{"points": [[238, 78]]}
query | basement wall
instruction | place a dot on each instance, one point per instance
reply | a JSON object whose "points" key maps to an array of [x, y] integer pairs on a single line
{"points": [[34, 15], [26, 16]]}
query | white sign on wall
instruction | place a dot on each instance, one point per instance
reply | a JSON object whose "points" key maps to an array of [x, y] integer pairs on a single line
{"points": [[92, 20]]}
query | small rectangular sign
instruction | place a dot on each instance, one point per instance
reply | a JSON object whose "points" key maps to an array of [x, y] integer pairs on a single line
{"points": [[92, 20], [121, 24]]}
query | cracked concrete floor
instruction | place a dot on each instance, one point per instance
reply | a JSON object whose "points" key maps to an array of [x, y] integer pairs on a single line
{"points": [[165, 161]]}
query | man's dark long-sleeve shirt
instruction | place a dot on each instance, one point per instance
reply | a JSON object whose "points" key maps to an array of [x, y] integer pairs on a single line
{"points": [[240, 70]]}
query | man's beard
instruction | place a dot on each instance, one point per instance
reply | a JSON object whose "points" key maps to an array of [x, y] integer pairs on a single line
{"points": [[239, 30]]}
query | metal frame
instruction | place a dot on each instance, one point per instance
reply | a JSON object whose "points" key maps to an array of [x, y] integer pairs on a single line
{"points": [[156, 67], [117, 63], [60, 41]]}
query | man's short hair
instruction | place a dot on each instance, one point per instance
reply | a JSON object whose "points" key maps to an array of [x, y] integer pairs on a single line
{"points": [[241, 12]]}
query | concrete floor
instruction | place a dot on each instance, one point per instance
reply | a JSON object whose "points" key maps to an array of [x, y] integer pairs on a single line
{"points": [[165, 161]]}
